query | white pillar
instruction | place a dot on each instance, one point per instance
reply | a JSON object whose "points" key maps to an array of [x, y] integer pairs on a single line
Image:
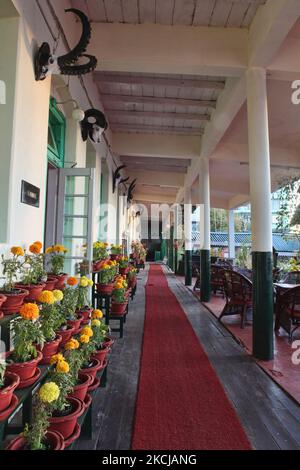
{"points": [[188, 219], [204, 200], [231, 239], [259, 160], [261, 212]]}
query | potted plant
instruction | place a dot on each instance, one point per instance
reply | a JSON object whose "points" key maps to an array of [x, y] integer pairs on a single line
{"points": [[115, 251], [123, 265], [57, 255], [26, 333], [83, 300], [2, 300], [32, 272], [119, 297], [100, 254], [75, 358], [132, 273], [68, 305], [36, 436], [65, 410], [51, 320], [14, 296], [106, 275], [100, 332], [8, 384]]}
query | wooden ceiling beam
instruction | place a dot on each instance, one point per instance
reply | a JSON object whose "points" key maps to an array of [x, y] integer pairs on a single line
{"points": [[160, 115], [124, 99], [152, 81], [116, 127]]}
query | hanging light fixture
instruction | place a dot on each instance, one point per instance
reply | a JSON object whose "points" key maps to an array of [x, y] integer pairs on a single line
{"points": [[77, 114]]}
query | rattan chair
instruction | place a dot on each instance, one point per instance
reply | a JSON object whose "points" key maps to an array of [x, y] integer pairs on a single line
{"points": [[288, 311], [238, 293]]}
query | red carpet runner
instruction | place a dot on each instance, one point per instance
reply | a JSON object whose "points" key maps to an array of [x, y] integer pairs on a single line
{"points": [[181, 404]]}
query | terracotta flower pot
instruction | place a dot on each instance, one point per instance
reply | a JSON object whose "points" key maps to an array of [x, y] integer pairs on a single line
{"points": [[50, 284], [76, 323], [53, 441], [60, 280], [66, 423], [3, 298], [118, 309], [6, 392], [96, 365], [33, 289], [49, 349], [123, 271], [114, 257], [80, 390], [86, 312], [66, 334], [101, 354], [105, 288], [14, 302], [132, 282], [25, 370]]}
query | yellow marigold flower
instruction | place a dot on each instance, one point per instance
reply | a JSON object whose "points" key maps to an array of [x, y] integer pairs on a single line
{"points": [[46, 297], [35, 249], [96, 323], [29, 311], [90, 282], [84, 282], [97, 314], [56, 358], [17, 251], [59, 248], [49, 250], [62, 367], [84, 339], [72, 281], [39, 244], [72, 344], [87, 331], [49, 392], [58, 295]]}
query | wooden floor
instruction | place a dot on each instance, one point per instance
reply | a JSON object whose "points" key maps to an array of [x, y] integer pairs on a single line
{"points": [[270, 418]]}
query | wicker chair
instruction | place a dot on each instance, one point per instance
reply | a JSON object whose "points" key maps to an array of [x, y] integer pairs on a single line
{"points": [[288, 311], [292, 277], [238, 293], [217, 279]]}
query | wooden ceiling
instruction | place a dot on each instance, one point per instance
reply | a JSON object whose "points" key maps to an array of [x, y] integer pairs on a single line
{"points": [[158, 103], [171, 165], [223, 13]]}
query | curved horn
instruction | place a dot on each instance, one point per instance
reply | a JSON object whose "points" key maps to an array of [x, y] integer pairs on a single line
{"points": [[116, 175], [78, 50], [80, 69], [124, 180]]}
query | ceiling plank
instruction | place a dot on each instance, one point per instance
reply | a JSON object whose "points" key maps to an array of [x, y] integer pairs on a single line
{"points": [[169, 169], [154, 100], [155, 160], [153, 114], [165, 82], [156, 129]]}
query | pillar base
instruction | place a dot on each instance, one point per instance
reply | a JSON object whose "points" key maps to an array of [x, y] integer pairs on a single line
{"points": [[263, 340], [188, 267], [205, 289]]}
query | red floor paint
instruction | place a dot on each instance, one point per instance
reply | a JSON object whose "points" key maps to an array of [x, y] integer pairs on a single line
{"points": [[181, 403], [281, 368]]}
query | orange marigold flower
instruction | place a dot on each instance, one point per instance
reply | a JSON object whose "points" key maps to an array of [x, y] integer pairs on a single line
{"points": [[87, 331], [56, 358], [72, 344], [39, 244], [59, 248], [49, 250], [97, 314], [72, 281], [35, 249], [63, 367], [17, 251], [29, 311], [46, 297], [84, 339]]}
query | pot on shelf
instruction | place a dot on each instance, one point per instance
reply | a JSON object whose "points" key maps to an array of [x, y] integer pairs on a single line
{"points": [[94, 367], [80, 390], [105, 288], [53, 441], [60, 280], [124, 271], [108, 342], [50, 284], [49, 349], [66, 423], [25, 370], [76, 323], [14, 301], [33, 289], [66, 334], [86, 312], [11, 381], [118, 309]]}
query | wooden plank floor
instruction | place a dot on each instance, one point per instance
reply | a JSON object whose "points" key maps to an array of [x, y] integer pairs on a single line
{"points": [[270, 418]]}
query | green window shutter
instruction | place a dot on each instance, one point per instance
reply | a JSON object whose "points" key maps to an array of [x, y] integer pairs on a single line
{"points": [[56, 135]]}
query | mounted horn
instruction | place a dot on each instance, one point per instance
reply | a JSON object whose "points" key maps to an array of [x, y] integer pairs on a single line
{"points": [[93, 125], [117, 176], [130, 191], [45, 63]]}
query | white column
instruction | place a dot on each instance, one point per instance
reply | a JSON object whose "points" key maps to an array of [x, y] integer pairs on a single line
{"points": [[259, 160], [231, 240], [204, 200], [188, 219]]}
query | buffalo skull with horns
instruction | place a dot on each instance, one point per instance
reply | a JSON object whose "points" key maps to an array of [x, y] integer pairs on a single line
{"points": [[46, 63], [93, 125]]}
